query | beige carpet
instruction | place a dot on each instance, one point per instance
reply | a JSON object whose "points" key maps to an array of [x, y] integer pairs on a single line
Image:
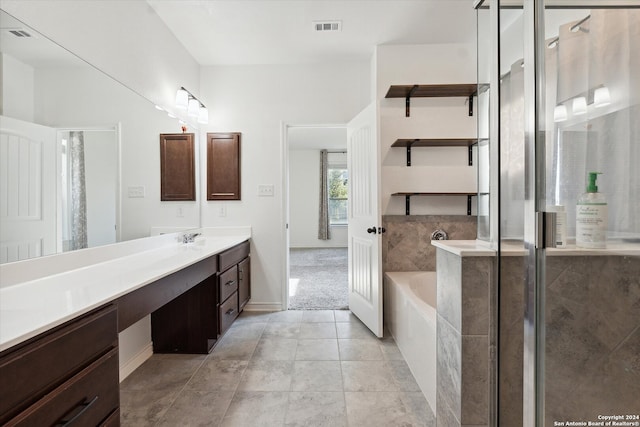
{"points": [[318, 279]]}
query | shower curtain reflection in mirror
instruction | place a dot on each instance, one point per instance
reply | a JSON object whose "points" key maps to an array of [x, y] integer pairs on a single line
{"points": [[592, 59], [88, 188]]}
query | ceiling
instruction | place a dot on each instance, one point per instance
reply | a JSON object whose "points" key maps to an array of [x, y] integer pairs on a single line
{"points": [[235, 32]]}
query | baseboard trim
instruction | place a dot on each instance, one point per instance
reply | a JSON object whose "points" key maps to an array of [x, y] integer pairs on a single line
{"points": [[134, 363], [263, 306]]}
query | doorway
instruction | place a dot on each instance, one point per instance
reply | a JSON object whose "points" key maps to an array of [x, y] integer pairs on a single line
{"points": [[316, 262]]}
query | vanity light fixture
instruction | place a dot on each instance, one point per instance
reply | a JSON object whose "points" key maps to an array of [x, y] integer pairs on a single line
{"points": [[560, 113], [182, 99], [196, 109], [579, 106], [601, 97]]}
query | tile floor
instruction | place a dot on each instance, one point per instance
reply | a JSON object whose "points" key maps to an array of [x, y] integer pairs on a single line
{"points": [[288, 368]]}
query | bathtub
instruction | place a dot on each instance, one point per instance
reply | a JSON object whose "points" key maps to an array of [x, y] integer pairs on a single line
{"points": [[410, 316]]}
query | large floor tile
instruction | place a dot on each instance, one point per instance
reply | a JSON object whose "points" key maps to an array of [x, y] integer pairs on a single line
{"points": [[256, 409], [276, 349], [318, 316], [234, 349], [246, 331], [218, 375], [359, 349], [367, 376], [253, 316], [383, 409], [317, 330], [163, 372], [316, 376], [141, 409], [354, 330], [197, 408], [292, 316], [281, 330], [345, 316], [267, 375], [320, 349], [316, 409]]}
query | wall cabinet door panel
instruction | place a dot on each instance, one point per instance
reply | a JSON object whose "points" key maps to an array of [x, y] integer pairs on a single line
{"points": [[223, 166], [177, 167]]}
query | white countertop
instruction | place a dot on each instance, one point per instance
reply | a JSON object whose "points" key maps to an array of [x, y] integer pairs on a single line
{"points": [[34, 306]]}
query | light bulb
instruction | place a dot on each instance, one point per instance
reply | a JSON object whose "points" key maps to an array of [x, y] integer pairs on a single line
{"points": [[203, 115], [579, 106], [601, 97], [182, 99], [560, 113], [194, 107]]}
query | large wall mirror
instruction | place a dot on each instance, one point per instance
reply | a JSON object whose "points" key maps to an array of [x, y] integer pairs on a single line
{"points": [[79, 154]]}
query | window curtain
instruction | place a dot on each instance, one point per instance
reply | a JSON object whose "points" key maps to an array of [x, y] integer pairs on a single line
{"points": [[604, 51], [324, 230], [77, 192]]}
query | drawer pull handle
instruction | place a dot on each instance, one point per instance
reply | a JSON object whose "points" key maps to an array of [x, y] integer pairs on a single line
{"points": [[84, 405], [223, 194], [230, 282], [230, 311]]}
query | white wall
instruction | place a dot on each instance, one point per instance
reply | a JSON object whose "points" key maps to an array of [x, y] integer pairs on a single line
{"points": [[443, 169], [256, 100], [17, 89], [304, 182], [125, 39]]}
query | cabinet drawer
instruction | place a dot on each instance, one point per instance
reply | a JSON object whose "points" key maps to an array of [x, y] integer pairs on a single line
{"points": [[233, 256], [87, 399], [228, 312], [228, 283], [113, 420], [41, 364]]}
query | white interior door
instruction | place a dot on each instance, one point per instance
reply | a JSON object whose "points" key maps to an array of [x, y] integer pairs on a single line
{"points": [[27, 190], [365, 222]]}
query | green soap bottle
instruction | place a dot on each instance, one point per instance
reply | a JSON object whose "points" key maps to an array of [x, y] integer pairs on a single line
{"points": [[592, 217]]}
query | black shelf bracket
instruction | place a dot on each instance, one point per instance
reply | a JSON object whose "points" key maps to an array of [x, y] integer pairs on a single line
{"points": [[409, 144], [470, 155], [407, 205], [471, 104], [407, 101], [469, 204]]}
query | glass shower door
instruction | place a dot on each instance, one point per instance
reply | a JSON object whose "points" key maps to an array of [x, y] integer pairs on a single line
{"points": [[582, 317]]}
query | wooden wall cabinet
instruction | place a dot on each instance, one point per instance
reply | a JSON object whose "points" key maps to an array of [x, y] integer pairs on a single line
{"points": [[177, 167], [223, 166]]}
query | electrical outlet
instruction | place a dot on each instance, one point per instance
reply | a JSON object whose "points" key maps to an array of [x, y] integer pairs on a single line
{"points": [[222, 210], [265, 190], [179, 213], [135, 191]]}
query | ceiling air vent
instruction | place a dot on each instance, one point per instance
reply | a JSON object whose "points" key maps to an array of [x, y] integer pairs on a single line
{"points": [[19, 33], [325, 26]]}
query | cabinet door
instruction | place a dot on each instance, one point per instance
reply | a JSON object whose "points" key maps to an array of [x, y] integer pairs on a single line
{"points": [[223, 166], [177, 167], [244, 282]]}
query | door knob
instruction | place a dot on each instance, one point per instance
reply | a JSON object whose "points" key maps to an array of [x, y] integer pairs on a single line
{"points": [[372, 230]]}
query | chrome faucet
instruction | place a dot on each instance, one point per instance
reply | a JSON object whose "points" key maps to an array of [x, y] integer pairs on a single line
{"points": [[439, 235], [189, 237]]}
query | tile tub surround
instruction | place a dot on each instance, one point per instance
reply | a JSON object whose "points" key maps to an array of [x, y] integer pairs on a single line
{"points": [[406, 244], [592, 324], [280, 369], [463, 326]]}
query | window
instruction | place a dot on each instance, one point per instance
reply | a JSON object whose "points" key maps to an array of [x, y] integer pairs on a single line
{"points": [[338, 178]]}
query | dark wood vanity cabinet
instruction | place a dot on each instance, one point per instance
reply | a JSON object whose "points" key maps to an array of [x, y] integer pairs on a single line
{"points": [[177, 167], [69, 374], [223, 166], [233, 284]]}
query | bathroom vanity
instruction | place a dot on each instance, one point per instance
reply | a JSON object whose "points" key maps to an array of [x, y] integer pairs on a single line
{"points": [[59, 333]]}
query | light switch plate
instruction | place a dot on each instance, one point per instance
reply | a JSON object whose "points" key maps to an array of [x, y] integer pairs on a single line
{"points": [[265, 190], [135, 191]]}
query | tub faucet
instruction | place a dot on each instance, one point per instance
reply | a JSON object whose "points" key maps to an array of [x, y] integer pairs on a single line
{"points": [[189, 237], [439, 235]]}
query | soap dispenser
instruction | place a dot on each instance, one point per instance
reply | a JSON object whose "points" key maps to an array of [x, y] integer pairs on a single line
{"points": [[591, 217]]}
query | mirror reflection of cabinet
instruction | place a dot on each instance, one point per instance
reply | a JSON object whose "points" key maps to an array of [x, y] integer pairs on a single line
{"points": [[177, 167], [223, 166]]}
